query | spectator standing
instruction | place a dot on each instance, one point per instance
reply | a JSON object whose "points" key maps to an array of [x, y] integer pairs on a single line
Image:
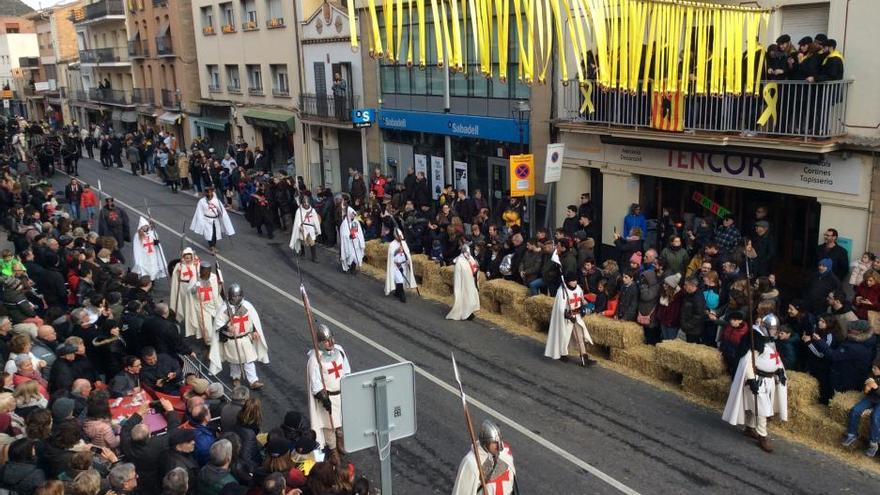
{"points": [[835, 252]]}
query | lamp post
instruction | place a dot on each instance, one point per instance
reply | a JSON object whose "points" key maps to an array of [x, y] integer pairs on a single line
{"points": [[521, 111], [182, 145]]}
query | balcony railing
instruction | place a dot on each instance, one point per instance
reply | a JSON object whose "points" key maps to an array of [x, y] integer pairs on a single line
{"points": [[29, 62], [255, 91], [169, 98], [327, 107], [164, 46], [234, 88], [79, 95], [802, 109], [275, 22], [104, 55], [284, 92], [249, 26], [143, 96], [114, 96], [138, 49], [98, 10]]}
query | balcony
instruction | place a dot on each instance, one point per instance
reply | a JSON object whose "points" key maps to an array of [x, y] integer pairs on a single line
{"points": [[138, 49], [804, 110], [214, 88], [79, 95], [111, 96], [234, 88], [29, 63], [249, 26], [208, 31], [275, 23], [143, 96], [115, 56], [326, 107], [255, 91], [164, 47], [281, 92], [99, 12], [170, 98], [228, 28]]}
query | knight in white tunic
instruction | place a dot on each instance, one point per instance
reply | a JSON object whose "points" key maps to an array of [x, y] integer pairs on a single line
{"points": [[399, 273], [238, 339], [204, 292], [567, 323], [467, 298], [351, 242], [496, 462], [149, 259], [325, 404], [185, 270], [759, 390], [211, 220], [306, 229]]}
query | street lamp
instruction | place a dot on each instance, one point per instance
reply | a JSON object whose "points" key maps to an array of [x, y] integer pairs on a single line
{"points": [[521, 110]]}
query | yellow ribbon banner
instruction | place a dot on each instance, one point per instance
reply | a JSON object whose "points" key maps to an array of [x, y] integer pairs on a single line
{"points": [[771, 95], [587, 91]]}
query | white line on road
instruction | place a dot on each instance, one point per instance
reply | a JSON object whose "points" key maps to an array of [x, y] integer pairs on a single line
{"points": [[552, 447]]}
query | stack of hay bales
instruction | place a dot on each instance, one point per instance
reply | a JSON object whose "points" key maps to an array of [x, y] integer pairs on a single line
{"points": [[694, 360], [642, 359], [538, 309], [714, 390], [840, 405], [803, 390], [376, 253], [508, 295], [813, 423], [614, 333]]}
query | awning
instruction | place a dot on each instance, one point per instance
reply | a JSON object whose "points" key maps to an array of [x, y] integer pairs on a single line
{"points": [[169, 117], [211, 123], [129, 116], [275, 119]]}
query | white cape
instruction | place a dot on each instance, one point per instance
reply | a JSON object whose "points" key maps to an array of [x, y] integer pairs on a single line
{"points": [[319, 417], [208, 214], [199, 309], [149, 259], [180, 278], [390, 268], [467, 299], [306, 224], [772, 395], [559, 333], [251, 351], [467, 481], [351, 250]]}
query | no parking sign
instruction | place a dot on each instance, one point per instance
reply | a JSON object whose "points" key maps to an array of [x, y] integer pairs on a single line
{"points": [[522, 175]]}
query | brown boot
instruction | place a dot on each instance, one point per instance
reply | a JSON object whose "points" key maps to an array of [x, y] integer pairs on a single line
{"points": [[751, 433], [764, 443]]}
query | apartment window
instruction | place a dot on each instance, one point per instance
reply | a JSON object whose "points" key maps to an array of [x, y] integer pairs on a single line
{"points": [[213, 78], [275, 13], [249, 11], [255, 79], [207, 20], [233, 82], [280, 81], [228, 15]]}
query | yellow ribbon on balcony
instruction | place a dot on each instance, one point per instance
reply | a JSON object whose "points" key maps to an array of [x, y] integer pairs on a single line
{"points": [[438, 33], [352, 27], [399, 12], [530, 43], [455, 59], [423, 46], [388, 12], [502, 9], [563, 66], [587, 91], [409, 35], [771, 94], [475, 29], [377, 36], [447, 40]]}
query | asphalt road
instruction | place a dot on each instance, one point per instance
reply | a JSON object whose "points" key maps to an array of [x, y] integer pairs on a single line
{"points": [[572, 431]]}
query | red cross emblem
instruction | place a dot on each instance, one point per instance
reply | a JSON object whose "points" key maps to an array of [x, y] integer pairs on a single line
{"points": [[212, 208], [775, 355], [335, 369], [240, 321], [206, 293], [574, 302], [188, 273], [148, 245], [499, 482]]}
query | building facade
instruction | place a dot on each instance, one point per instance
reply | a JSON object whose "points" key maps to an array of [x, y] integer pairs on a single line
{"points": [[56, 38], [18, 42], [248, 59]]}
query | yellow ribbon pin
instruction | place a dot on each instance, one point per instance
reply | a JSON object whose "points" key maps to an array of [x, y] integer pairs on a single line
{"points": [[587, 91], [771, 94]]}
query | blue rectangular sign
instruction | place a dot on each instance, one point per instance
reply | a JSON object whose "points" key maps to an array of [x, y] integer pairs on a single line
{"points": [[363, 117], [469, 126]]}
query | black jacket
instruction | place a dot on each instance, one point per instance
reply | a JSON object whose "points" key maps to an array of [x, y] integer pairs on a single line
{"points": [[839, 259], [146, 455], [174, 459], [817, 290], [627, 305], [693, 313], [164, 336]]}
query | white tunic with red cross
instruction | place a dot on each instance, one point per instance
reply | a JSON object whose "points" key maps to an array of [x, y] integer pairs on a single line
{"points": [[499, 482], [333, 366], [772, 396], [180, 277], [204, 297], [245, 341]]}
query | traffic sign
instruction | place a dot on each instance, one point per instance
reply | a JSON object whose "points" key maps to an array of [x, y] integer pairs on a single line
{"points": [[553, 166], [363, 117], [522, 175]]}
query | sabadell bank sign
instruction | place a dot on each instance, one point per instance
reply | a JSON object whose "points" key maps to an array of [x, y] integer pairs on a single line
{"points": [[831, 174]]}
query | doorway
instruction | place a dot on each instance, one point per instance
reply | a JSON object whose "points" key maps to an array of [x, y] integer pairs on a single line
{"points": [[499, 182]]}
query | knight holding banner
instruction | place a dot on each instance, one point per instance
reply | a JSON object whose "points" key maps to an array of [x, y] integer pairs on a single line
{"points": [[496, 462], [238, 339]]}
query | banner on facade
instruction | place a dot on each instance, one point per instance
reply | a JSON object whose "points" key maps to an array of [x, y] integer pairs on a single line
{"points": [[420, 164], [522, 175], [553, 165], [436, 176], [461, 176]]}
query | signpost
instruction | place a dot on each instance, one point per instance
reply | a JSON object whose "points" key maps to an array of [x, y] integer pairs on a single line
{"points": [[388, 391], [553, 165], [522, 175], [363, 117]]}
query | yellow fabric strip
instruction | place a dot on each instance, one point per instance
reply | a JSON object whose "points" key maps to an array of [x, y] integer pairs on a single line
{"points": [[352, 25], [388, 10], [409, 34], [423, 43], [377, 36], [438, 33], [399, 12], [455, 58]]}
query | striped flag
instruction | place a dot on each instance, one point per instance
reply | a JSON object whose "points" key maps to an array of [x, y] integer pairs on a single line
{"points": [[667, 111]]}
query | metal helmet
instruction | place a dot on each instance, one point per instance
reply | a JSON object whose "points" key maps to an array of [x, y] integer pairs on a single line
{"points": [[235, 294], [324, 333], [489, 433], [770, 324]]}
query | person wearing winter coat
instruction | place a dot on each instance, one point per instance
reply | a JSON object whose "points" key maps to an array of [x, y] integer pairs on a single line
{"points": [[669, 307], [693, 311], [21, 474], [627, 307], [735, 328], [822, 283], [867, 295], [851, 360], [675, 256], [649, 293]]}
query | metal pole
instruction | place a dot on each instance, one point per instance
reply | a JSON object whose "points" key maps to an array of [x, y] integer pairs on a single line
{"points": [[366, 164], [383, 440], [447, 139]]}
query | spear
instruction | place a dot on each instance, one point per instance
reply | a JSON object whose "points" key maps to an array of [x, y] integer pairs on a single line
{"points": [[308, 309], [470, 425], [751, 333]]}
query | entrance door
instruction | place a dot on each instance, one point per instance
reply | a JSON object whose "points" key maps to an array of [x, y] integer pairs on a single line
{"points": [[499, 182]]}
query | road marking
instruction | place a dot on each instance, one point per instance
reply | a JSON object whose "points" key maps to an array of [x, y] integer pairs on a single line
{"points": [[552, 447]]}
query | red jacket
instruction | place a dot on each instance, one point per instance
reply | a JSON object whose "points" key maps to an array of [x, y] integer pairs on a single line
{"points": [[871, 294], [88, 198], [377, 185], [733, 335]]}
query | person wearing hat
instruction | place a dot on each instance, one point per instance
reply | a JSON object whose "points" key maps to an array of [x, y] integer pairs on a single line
{"points": [[185, 270], [237, 338], [181, 444], [63, 371], [758, 390], [149, 257], [211, 220], [567, 324], [668, 311], [822, 283], [495, 460], [324, 373], [306, 229], [204, 296], [113, 222], [831, 68]]}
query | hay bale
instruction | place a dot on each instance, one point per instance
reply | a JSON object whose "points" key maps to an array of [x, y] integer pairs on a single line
{"points": [[614, 333], [814, 424], [420, 262], [642, 359], [839, 406], [714, 390], [537, 310], [439, 280], [508, 295], [803, 390], [694, 360], [376, 253]]}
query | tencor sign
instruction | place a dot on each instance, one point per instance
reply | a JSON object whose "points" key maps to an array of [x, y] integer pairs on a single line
{"points": [[831, 174], [468, 126]]}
